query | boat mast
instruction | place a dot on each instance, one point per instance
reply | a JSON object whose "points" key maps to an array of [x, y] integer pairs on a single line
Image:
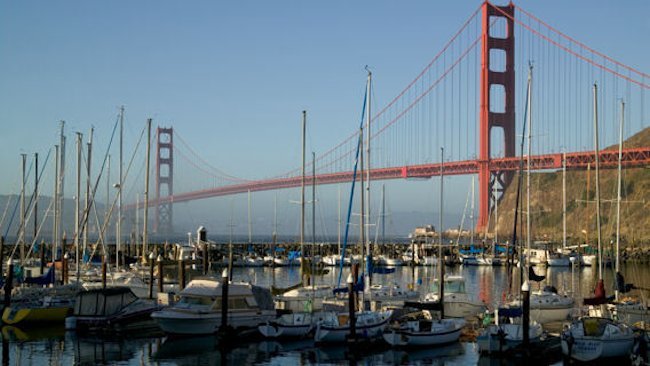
{"points": [[118, 239], [564, 201], [441, 258], [145, 229], [76, 211], [597, 153], [21, 236], [618, 195], [89, 146], [302, 201], [250, 222], [471, 216], [36, 198], [362, 217], [367, 228], [61, 181], [383, 214], [313, 211], [55, 229], [339, 226], [496, 217], [106, 208], [530, 138]]}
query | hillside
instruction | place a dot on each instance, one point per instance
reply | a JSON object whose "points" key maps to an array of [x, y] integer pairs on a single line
{"points": [[546, 202]]}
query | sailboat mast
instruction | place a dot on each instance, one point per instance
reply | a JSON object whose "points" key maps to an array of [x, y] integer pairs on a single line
{"points": [[89, 146], [118, 239], [313, 202], [76, 211], [529, 152], [35, 198], [367, 228], [339, 226], [597, 153], [302, 199], [618, 195], [250, 222], [61, 180], [564, 200], [441, 257], [471, 216], [362, 217], [55, 229], [21, 236], [383, 213], [145, 230], [496, 215]]}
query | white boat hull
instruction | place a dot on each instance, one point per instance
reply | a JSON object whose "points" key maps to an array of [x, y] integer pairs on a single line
{"points": [[176, 322], [434, 337], [339, 333], [589, 348], [491, 341]]}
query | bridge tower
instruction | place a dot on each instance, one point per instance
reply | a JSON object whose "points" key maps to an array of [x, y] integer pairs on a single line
{"points": [[497, 100], [164, 180]]}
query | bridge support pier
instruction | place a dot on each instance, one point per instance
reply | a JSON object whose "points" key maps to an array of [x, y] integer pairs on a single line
{"points": [[497, 102], [164, 180]]}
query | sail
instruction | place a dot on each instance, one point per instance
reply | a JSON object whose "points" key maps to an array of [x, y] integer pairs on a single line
{"points": [[45, 279], [621, 286], [599, 295]]}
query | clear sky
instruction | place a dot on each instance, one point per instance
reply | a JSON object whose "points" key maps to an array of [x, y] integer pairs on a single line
{"points": [[233, 76]]}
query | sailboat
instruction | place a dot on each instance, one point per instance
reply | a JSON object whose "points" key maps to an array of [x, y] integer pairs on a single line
{"points": [[420, 329], [502, 336], [592, 338]]}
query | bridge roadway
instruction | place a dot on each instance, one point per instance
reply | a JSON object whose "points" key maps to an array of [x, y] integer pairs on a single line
{"points": [[636, 157]]}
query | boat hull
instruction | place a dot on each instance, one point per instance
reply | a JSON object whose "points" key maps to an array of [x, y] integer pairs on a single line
{"points": [[338, 334], [587, 349], [14, 316], [493, 341]]}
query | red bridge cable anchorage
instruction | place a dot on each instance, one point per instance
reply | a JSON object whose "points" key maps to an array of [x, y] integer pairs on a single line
{"points": [[595, 64]]}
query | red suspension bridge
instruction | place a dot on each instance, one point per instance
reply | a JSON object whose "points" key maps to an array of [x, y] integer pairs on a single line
{"points": [[464, 100]]}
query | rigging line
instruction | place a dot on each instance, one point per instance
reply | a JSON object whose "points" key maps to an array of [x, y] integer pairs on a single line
{"points": [[394, 100], [33, 195], [13, 214], [594, 63], [135, 150], [91, 199], [217, 170], [354, 180], [580, 43]]}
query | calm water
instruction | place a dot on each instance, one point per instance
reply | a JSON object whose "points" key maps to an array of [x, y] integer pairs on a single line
{"points": [[54, 346]]}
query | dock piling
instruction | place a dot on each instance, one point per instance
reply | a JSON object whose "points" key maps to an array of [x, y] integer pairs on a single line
{"points": [[160, 274]]}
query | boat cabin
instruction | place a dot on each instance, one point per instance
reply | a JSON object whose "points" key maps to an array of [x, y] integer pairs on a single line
{"points": [[103, 302]]}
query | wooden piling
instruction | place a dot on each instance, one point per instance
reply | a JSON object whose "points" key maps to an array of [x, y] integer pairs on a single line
{"points": [[160, 274], [9, 283], [151, 275], [103, 271], [181, 273], [224, 301], [352, 310], [42, 257], [205, 259]]}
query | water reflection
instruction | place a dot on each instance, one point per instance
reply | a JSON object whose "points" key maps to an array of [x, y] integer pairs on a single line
{"points": [[52, 345]]}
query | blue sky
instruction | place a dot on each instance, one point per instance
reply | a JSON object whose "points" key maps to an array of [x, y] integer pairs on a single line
{"points": [[232, 77]]}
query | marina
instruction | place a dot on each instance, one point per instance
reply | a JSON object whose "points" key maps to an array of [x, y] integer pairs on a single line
{"points": [[53, 343], [365, 253]]}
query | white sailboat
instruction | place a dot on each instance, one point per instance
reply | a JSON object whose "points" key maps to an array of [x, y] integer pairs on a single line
{"points": [[500, 336], [592, 338]]}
